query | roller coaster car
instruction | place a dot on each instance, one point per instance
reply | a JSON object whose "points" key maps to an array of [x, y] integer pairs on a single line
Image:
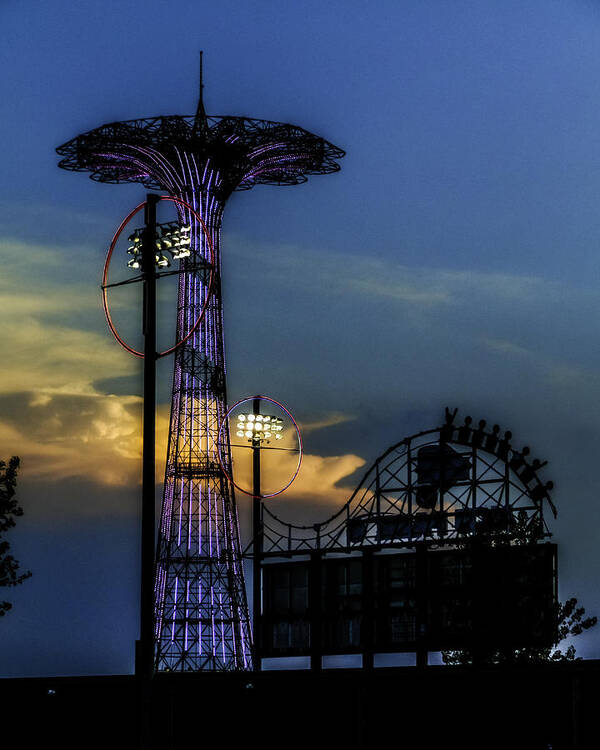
{"points": [[441, 466]]}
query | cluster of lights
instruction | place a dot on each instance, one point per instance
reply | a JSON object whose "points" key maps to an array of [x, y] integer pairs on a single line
{"points": [[174, 239], [259, 428]]}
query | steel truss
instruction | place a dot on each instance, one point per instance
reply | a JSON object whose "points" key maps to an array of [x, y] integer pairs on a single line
{"points": [[438, 487], [202, 620]]}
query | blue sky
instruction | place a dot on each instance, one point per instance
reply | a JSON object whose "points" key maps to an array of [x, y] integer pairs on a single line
{"points": [[453, 260]]}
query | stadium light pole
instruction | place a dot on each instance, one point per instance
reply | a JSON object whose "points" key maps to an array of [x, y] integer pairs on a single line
{"points": [[257, 428], [147, 255], [258, 542], [145, 656], [148, 249]]}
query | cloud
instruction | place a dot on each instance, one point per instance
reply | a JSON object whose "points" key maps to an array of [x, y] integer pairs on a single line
{"points": [[48, 346], [426, 334], [387, 334], [317, 492], [507, 347], [334, 273], [51, 414], [320, 476], [44, 358], [94, 437], [55, 418], [91, 436], [329, 420], [318, 485]]}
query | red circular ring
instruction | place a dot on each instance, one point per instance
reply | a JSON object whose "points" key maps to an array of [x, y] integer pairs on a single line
{"points": [[122, 226], [298, 433]]}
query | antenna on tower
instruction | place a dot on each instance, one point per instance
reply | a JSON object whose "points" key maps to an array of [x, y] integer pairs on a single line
{"points": [[201, 83], [201, 123]]}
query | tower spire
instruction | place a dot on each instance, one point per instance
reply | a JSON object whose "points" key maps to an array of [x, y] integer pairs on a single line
{"points": [[201, 123]]}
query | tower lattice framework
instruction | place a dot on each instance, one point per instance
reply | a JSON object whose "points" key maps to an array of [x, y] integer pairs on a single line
{"points": [[202, 619]]}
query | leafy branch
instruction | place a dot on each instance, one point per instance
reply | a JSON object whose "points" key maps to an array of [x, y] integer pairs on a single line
{"points": [[9, 510]]}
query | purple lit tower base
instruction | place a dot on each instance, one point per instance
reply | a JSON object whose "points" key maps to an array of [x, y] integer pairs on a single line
{"points": [[202, 620]]}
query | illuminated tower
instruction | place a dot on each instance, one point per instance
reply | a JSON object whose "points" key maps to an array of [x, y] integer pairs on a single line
{"points": [[202, 620]]}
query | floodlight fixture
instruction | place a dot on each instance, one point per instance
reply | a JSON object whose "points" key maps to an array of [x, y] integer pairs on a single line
{"points": [[171, 237], [259, 428]]}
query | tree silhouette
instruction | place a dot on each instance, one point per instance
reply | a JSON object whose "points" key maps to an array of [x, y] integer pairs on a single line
{"points": [[569, 618], [571, 622], [9, 510]]}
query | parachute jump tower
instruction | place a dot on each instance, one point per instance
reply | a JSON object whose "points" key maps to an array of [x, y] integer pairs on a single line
{"points": [[201, 611]]}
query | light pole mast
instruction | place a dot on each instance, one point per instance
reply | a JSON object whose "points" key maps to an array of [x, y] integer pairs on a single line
{"points": [[144, 666], [257, 542], [258, 429]]}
